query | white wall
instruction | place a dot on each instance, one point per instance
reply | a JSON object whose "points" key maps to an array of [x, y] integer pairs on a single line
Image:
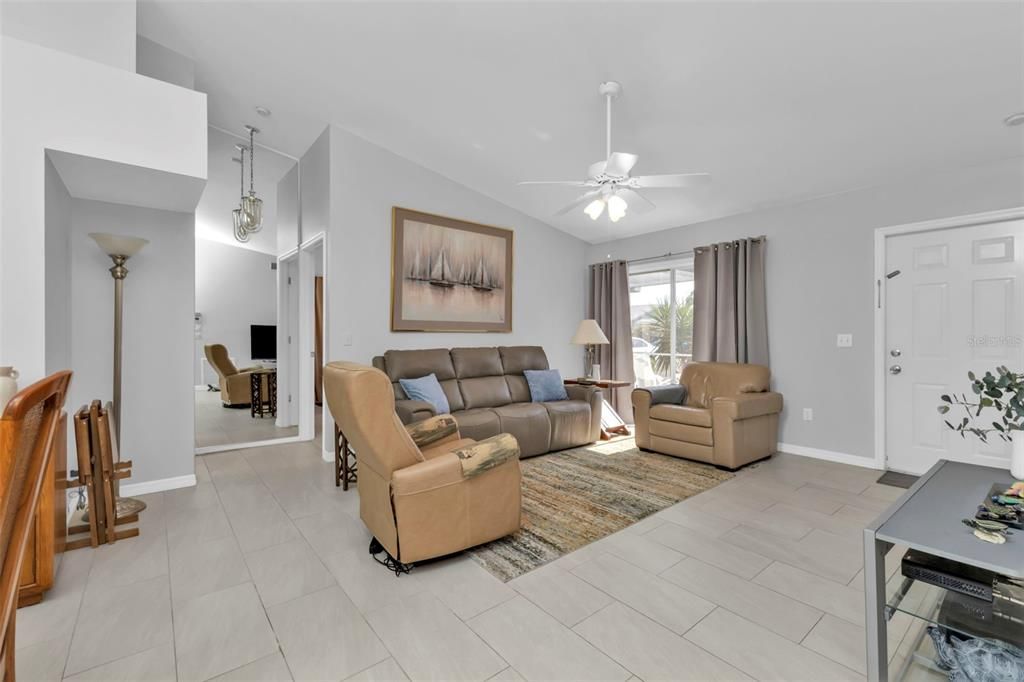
{"points": [[317, 188], [366, 181], [156, 61], [58, 272], [52, 100], [820, 282], [288, 211], [234, 288], [102, 31], [158, 425]]}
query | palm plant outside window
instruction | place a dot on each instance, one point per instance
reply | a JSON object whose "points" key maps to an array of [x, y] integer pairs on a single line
{"points": [[661, 311]]}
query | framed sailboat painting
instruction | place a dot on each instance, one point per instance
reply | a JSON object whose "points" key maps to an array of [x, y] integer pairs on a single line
{"points": [[449, 275]]}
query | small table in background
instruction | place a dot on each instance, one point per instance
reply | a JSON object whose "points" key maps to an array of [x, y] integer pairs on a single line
{"points": [[258, 380], [611, 422]]}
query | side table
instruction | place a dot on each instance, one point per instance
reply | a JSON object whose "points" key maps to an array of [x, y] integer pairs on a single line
{"points": [[344, 460], [611, 422], [927, 519], [260, 380]]}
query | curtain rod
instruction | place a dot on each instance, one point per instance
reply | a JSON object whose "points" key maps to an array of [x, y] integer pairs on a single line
{"points": [[672, 254]]}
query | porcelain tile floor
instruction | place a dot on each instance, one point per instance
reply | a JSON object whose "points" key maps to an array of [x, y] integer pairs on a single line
{"points": [[261, 572]]}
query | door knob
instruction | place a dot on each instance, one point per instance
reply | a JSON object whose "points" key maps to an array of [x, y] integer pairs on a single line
{"points": [[895, 369], [895, 352]]}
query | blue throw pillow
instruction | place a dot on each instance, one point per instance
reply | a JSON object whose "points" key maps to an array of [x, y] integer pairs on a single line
{"points": [[427, 389], [545, 385]]}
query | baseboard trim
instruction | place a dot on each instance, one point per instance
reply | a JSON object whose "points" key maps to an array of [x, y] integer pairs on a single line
{"points": [[159, 485], [829, 455]]}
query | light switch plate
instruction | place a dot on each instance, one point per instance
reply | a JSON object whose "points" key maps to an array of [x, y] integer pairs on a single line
{"points": [[808, 414], [844, 340], [346, 339]]}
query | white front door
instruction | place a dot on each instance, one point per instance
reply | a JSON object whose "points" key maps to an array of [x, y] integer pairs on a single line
{"points": [[953, 302]]}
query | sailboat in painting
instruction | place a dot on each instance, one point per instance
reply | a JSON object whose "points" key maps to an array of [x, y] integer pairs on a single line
{"points": [[440, 274], [482, 280]]}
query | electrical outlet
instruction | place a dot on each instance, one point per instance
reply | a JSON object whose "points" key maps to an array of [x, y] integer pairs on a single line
{"points": [[808, 414], [844, 340], [346, 339]]}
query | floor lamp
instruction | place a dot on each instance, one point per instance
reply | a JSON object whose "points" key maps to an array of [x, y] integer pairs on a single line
{"points": [[120, 249]]}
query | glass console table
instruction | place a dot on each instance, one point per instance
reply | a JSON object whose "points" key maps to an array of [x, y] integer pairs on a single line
{"points": [[927, 518]]}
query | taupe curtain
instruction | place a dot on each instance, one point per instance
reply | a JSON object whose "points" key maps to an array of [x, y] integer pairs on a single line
{"points": [[318, 334], [608, 303], [730, 321]]}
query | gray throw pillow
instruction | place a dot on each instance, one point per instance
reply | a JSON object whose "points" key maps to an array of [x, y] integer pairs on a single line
{"points": [[428, 389], [545, 385]]}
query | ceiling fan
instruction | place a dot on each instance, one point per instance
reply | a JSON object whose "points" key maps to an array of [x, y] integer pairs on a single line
{"points": [[609, 182]]}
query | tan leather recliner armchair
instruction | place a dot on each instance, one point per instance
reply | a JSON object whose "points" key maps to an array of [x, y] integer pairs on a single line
{"points": [[418, 491], [720, 413], [235, 386]]}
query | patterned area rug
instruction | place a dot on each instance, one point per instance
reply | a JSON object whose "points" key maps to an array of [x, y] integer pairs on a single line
{"points": [[574, 497]]}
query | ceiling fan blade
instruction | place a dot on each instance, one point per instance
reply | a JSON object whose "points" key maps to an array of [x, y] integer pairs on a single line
{"points": [[673, 180], [570, 183], [620, 163], [637, 202], [587, 197], [595, 169]]}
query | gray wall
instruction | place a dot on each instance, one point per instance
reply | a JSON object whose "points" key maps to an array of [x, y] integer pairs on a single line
{"points": [[820, 281], [366, 182], [158, 424]]}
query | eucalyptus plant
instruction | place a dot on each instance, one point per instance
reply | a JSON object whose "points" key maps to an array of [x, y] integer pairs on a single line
{"points": [[1003, 391]]}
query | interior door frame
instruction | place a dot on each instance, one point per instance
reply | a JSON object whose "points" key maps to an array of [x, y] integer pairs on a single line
{"points": [[307, 347], [879, 297]]}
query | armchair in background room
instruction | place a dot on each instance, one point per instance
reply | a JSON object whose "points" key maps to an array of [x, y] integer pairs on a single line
{"points": [[721, 413], [235, 388]]}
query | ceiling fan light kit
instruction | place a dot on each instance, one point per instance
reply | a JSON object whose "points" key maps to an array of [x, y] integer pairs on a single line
{"points": [[609, 183]]}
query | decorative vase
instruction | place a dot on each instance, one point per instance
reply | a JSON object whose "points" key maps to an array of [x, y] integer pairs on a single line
{"points": [[1017, 456], [595, 372], [8, 385]]}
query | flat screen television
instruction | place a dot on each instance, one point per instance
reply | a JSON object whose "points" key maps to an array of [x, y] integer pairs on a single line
{"points": [[263, 341]]}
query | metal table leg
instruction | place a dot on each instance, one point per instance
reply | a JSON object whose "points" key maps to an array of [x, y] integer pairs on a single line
{"points": [[874, 606]]}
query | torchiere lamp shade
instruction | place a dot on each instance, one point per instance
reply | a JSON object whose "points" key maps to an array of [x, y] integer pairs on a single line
{"points": [[118, 245]]}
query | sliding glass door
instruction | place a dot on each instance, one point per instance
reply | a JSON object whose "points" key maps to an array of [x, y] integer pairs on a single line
{"points": [[661, 310]]}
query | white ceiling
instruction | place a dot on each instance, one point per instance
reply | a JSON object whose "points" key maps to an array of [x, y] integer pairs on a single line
{"points": [[221, 196], [781, 102]]}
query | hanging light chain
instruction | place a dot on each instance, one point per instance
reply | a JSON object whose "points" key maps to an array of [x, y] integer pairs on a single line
{"points": [[252, 158]]}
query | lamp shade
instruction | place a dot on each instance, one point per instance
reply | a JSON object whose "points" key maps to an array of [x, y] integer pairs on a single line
{"points": [[589, 332], [118, 245]]}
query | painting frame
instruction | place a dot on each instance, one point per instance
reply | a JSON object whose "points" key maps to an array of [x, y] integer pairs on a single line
{"points": [[399, 321]]}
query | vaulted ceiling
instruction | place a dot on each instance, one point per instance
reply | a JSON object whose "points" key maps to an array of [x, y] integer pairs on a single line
{"points": [[780, 101]]}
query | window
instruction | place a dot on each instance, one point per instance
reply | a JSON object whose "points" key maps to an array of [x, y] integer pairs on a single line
{"points": [[661, 311]]}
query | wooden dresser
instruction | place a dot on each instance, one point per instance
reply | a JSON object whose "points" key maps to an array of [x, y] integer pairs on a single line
{"points": [[48, 532]]}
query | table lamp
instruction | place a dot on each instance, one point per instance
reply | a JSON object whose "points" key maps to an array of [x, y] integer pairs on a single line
{"points": [[588, 335]]}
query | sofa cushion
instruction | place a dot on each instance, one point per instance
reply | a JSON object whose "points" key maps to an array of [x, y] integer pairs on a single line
{"points": [[478, 424], [427, 389], [476, 362], [410, 364], [529, 423], [514, 359], [570, 423], [545, 385], [485, 392], [518, 388], [694, 416], [688, 433]]}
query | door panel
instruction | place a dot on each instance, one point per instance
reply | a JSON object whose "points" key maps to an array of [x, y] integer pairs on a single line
{"points": [[952, 308]]}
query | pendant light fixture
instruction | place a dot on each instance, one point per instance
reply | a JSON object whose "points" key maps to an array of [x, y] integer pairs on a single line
{"points": [[252, 205], [238, 216]]}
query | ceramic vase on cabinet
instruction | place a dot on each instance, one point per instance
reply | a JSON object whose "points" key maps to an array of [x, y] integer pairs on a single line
{"points": [[8, 385], [1017, 456]]}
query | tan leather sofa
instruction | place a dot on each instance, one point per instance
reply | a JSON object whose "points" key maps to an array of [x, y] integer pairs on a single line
{"points": [[720, 413], [488, 394], [417, 501], [235, 386]]}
